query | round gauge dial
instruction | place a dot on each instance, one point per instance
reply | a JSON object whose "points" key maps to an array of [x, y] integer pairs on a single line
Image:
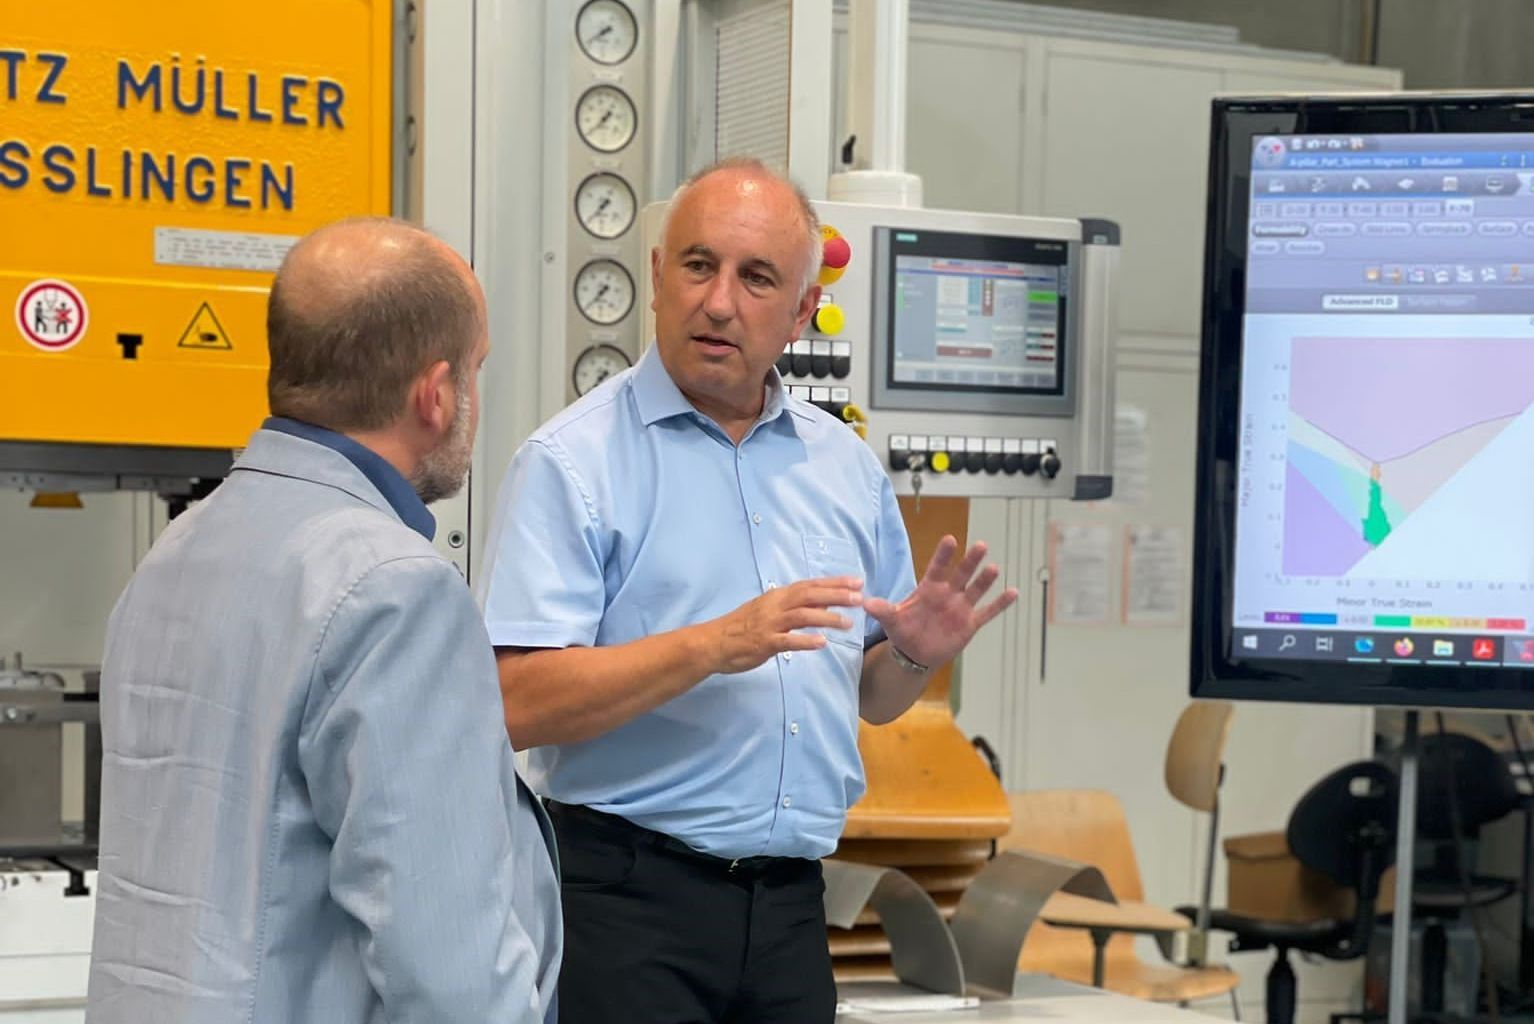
{"points": [[604, 204], [604, 292], [606, 31], [606, 119], [597, 364]]}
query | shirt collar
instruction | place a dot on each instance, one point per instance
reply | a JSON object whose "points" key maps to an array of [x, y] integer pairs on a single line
{"points": [[392, 484], [657, 397]]}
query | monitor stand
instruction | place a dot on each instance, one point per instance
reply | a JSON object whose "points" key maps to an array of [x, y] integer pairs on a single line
{"points": [[1406, 835]]}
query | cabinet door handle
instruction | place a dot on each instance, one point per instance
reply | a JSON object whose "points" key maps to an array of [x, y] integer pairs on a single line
{"points": [[1043, 624]]}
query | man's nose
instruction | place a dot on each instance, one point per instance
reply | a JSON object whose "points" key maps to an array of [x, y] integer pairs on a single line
{"points": [[719, 300]]}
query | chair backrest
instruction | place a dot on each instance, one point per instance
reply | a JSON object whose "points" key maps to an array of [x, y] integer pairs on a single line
{"points": [[1085, 825], [1195, 754], [1345, 827], [1342, 817], [1481, 779]]}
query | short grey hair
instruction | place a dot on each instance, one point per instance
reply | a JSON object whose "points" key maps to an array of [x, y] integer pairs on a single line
{"points": [[815, 246], [347, 363]]}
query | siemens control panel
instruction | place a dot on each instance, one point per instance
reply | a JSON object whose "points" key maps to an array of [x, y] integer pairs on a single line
{"points": [[973, 352]]}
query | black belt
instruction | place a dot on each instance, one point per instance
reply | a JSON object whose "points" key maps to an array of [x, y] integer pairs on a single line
{"points": [[611, 825]]}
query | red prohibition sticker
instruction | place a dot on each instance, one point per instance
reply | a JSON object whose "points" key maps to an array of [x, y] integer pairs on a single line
{"points": [[51, 315]]}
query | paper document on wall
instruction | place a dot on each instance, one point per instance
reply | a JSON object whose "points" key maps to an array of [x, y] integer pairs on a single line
{"points": [[1131, 456], [1154, 578], [1079, 572]]}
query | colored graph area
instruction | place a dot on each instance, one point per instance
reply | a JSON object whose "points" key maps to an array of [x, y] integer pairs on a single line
{"points": [[1384, 431]]}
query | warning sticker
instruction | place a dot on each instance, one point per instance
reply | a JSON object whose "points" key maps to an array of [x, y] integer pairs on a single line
{"points": [[205, 331], [51, 315]]}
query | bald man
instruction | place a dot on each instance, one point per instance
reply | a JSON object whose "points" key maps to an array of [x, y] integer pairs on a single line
{"points": [[699, 584], [310, 810]]}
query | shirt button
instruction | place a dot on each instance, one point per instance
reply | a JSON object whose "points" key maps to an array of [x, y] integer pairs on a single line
{"points": [[771, 584], [757, 519], [793, 728], [822, 545], [788, 655], [787, 802]]}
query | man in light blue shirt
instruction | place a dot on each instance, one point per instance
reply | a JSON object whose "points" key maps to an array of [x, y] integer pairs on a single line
{"points": [[677, 597], [310, 810]]}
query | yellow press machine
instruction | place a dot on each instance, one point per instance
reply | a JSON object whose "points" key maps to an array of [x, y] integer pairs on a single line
{"points": [[155, 166]]}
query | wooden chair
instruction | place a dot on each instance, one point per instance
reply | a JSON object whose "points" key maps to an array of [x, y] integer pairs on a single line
{"points": [[1195, 769], [932, 806], [1089, 826]]}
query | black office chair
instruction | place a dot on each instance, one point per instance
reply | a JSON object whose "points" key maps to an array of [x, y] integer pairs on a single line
{"points": [[1455, 767], [1345, 828]]}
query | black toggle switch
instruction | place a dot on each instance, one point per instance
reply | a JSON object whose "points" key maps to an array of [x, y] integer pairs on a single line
{"points": [[993, 462], [1030, 463], [785, 363], [841, 366], [1011, 462], [974, 461], [1050, 465], [820, 366], [801, 364], [900, 459]]}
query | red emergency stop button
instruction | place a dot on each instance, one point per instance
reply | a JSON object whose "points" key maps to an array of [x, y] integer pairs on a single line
{"points": [[837, 252]]}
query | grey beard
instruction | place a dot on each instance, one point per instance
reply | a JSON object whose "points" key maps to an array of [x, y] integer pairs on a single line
{"points": [[442, 472]]}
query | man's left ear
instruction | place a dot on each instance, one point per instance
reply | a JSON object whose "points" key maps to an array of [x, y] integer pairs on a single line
{"points": [[807, 306], [435, 399]]}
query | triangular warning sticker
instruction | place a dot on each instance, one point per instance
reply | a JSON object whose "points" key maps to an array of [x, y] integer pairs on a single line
{"points": [[205, 331]]}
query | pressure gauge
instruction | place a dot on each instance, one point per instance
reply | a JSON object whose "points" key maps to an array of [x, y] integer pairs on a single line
{"points": [[606, 31], [597, 364], [605, 118], [604, 204], [604, 292]]}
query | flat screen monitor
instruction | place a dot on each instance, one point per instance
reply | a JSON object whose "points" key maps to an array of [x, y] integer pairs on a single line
{"points": [[972, 323], [1365, 508]]}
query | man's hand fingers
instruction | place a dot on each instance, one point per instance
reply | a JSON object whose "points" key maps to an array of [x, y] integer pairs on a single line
{"points": [[971, 561], [798, 642], [821, 595], [879, 608], [942, 558], [801, 618], [996, 607], [980, 584]]}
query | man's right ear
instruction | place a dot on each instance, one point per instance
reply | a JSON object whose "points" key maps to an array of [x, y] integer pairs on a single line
{"points": [[654, 276]]}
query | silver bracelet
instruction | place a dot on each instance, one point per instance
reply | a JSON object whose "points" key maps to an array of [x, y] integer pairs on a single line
{"points": [[906, 662]]}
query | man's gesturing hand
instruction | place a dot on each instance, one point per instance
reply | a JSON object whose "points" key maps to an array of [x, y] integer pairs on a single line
{"points": [[766, 626], [941, 616]]}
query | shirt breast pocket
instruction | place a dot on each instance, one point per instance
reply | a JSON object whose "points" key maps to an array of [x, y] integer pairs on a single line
{"points": [[837, 556]]}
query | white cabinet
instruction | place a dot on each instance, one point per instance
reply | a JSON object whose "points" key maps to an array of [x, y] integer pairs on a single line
{"points": [[1119, 131]]}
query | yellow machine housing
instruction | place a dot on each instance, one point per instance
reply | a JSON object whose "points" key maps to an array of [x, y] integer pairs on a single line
{"points": [[156, 161]]}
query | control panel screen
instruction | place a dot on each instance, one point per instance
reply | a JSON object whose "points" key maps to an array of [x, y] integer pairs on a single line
{"points": [[976, 313]]}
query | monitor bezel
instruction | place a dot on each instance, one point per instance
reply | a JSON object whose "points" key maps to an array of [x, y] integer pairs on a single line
{"points": [[1214, 673]]}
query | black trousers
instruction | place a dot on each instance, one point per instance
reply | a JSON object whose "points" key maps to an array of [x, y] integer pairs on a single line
{"points": [[656, 933]]}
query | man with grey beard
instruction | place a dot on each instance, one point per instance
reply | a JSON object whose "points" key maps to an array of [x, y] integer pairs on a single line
{"points": [[299, 699]]}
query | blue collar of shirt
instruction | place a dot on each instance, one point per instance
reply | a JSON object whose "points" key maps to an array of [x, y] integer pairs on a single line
{"points": [[395, 489], [657, 397]]}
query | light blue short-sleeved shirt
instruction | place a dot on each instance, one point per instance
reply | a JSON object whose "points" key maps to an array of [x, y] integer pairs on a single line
{"points": [[630, 514]]}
